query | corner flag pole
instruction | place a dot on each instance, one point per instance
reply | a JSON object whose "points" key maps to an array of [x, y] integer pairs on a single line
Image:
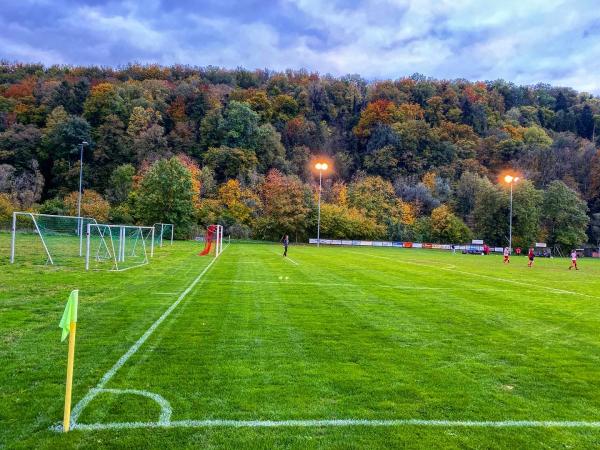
{"points": [[68, 323], [69, 388]]}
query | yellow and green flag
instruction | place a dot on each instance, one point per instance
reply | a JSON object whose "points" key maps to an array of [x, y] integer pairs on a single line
{"points": [[70, 314]]}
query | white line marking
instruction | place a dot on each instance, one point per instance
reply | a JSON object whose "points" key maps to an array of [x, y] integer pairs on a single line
{"points": [[316, 283], [341, 423], [287, 258], [505, 280], [165, 293], [134, 348]]}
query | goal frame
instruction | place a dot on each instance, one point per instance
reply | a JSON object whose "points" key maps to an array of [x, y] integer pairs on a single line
{"points": [[162, 230], [33, 216], [119, 255]]}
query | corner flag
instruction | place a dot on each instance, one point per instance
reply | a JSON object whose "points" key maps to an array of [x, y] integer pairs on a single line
{"points": [[70, 314], [68, 323]]}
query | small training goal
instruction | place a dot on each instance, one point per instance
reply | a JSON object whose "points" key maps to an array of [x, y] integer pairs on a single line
{"points": [[213, 240], [48, 239], [117, 247], [163, 233]]}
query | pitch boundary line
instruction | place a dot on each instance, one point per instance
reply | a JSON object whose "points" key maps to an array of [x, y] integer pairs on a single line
{"points": [[319, 423], [80, 406]]}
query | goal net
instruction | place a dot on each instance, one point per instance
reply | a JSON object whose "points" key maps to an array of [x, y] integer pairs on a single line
{"points": [[117, 247], [163, 233], [48, 239], [213, 240]]}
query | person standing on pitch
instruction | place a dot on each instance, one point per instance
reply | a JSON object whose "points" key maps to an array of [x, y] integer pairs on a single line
{"points": [[573, 260], [286, 242], [531, 256], [506, 255]]}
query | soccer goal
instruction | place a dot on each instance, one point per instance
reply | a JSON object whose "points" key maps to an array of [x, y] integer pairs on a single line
{"points": [[118, 247], [213, 239], [163, 232], [48, 239]]}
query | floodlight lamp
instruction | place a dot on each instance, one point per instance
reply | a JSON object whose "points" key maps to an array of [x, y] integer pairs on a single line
{"points": [[509, 179], [318, 166]]}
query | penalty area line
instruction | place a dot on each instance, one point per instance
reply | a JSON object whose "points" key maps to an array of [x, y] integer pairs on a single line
{"points": [[340, 423], [80, 406]]}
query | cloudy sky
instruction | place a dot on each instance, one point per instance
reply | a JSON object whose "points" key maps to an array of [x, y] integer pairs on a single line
{"points": [[524, 41]]}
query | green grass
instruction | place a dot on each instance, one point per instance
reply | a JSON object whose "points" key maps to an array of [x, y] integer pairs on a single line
{"points": [[345, 333]]}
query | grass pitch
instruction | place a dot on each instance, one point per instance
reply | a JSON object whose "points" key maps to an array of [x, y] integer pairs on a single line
{"points": [[333, 347]]}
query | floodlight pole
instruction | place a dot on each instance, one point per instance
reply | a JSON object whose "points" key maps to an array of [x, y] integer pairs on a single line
{"points": [[510, 215], [80, 177], [80, 221], [319, 210]]}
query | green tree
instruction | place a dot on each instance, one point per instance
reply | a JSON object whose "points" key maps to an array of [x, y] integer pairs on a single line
{"points": [[339, 222], [447, 228], [527, 208], [230, 162], [103, 100], [490, 215], [240, 126], [166, 195], [564, 216], [120, 183]]}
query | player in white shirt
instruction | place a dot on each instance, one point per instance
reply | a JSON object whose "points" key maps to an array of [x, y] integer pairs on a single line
{"points": [[506, 255], [573, 260]]}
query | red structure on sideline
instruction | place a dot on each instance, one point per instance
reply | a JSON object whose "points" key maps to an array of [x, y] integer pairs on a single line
{"points": [[208, 239]]}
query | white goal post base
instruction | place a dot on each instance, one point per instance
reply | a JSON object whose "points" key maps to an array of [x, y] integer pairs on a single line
{"points": [[117, 247]]}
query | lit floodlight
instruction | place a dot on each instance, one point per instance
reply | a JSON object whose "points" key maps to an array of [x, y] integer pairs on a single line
{"points": [[509, 179]]}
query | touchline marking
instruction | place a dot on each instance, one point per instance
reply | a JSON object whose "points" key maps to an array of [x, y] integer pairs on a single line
{"points": [[505, 280], [134, 348], [339, 423]]}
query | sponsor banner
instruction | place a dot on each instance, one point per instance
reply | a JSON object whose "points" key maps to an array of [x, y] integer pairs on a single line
{"points": [[427, 245], [326, 241], [312, 241], [355, 242], [541, 244], [397, 244], [498, 249], [477, 242], [336, 242], [377, 244], [366, 243], [437, 246], [417, 245], [347, 243], [408, 244], [387, 244]]}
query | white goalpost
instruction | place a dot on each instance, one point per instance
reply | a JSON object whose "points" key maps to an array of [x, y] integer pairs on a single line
{"points": [[118, 247], [51, 239], [219, 240], [213, 238], [162, 232]]}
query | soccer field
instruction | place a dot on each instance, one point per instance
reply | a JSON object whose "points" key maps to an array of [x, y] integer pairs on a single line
{"points": [[332, 347]]}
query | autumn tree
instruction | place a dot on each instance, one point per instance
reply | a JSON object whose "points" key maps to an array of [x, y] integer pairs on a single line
{"points": [[92, 205], [286, 207]]}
